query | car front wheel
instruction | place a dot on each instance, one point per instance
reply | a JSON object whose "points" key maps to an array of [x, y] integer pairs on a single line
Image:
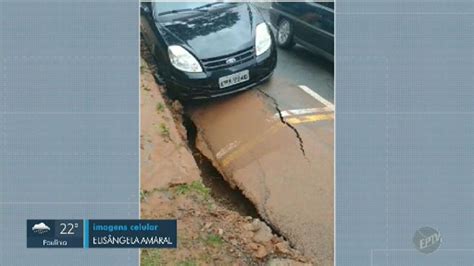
{"points": [[285, 34]]}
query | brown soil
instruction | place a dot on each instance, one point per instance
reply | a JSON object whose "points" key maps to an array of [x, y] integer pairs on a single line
{"points": [[209, 234], [165, 157]]}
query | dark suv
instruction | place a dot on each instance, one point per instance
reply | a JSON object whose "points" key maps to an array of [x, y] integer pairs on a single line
{"points": [[310, 24]]}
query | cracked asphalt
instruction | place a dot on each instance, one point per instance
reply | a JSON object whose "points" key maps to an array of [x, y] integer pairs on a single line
{"points": [[275, 102], [275, 144]]}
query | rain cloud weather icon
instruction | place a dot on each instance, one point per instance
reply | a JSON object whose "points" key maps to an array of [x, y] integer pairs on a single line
{"points": [[40, 228]]}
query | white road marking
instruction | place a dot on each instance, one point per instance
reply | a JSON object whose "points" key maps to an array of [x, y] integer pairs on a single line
{"points": [[317, 96], [304, 111]]}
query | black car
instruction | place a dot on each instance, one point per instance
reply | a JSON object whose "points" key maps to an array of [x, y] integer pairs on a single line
{"points": [[310, 24], [205, 50]]}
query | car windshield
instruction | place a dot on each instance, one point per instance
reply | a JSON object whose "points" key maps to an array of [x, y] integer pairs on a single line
{"points": [[171, 7]]}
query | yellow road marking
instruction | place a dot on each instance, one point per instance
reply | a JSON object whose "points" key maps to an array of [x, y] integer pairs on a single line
{"points": [[309, 118], [247, 146]]}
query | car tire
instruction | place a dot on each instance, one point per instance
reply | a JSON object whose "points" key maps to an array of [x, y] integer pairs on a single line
{"points": [[284, 34]]}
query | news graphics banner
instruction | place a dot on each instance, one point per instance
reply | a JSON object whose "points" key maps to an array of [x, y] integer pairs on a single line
{"points": [[101, 233]]}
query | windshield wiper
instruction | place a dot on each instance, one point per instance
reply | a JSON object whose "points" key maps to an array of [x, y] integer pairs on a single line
{"points": [[178, 11], [209, 5]]}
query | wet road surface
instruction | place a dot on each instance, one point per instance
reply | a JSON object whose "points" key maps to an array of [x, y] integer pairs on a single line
{"points": [[275, 143], [303, 67]]}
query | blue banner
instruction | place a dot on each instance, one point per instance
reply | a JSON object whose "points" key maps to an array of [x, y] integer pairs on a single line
{"points": [[101, 233]]}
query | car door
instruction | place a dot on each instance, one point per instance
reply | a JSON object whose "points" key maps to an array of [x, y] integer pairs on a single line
{"points": [[287, 10], [316, 27]]}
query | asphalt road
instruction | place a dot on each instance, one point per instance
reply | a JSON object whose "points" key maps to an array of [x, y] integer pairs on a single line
{"points": [[275, 144], [303, 67]]}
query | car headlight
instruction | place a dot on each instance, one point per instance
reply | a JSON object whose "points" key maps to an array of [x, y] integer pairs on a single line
{"points": [[181, 59], [263, 40]]}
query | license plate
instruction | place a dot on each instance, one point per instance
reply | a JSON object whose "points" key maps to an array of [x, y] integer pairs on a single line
{"points": [[233, 79]]}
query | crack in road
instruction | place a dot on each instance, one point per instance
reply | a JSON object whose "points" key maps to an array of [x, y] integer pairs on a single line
{"points": [[258, 211], [282, 119]]}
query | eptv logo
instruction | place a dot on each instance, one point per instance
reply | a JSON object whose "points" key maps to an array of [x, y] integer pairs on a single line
{"points": [[427, 240]]}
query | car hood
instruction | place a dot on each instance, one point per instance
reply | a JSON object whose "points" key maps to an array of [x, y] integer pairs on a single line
{"points": [[212, 33]]}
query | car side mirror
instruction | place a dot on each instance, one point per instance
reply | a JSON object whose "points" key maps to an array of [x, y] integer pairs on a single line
{"points": [[145, 9]]}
